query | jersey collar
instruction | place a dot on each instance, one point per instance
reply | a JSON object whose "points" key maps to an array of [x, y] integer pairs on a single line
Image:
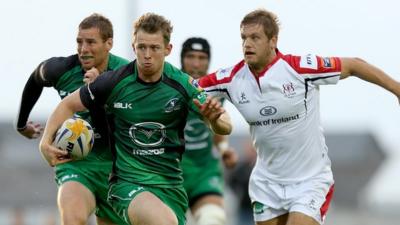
{"points": [[278, 56]]}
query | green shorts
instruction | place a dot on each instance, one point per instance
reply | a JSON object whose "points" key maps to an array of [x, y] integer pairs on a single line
{"points": [[94, 176], [203, 180], [122, 193]]}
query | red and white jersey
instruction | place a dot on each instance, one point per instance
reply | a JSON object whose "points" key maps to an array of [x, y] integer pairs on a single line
{"points": [[282, 108]]}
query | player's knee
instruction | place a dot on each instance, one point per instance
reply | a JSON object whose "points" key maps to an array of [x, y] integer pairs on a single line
{"points": [[210, 214], [168, 218], [73, 219], [171, 220]]}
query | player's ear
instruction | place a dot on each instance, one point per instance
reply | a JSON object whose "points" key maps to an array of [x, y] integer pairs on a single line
{"points": [[168, 49], [109, 43], [133, 47], [274, 42]]}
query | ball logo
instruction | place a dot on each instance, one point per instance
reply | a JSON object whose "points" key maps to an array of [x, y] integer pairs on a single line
{"points": [[75, 136], [268, 111], [77, 127], [147, 134]]}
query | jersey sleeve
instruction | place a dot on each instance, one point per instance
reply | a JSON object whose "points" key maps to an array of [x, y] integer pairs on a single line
{"points": [[30, 95], [218, 83], [49, 72], [195, 92], [95, 94], [316, 69], [46, 74]]}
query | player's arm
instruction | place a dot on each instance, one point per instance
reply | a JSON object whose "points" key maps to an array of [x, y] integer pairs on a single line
{"points": [[45, 75], [66, 109], [30, 95], [215, 115], [365, 71], [91, 96], [228, 154]]}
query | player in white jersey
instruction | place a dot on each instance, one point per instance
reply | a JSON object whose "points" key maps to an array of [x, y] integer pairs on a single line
{"points": [[278, 95]]}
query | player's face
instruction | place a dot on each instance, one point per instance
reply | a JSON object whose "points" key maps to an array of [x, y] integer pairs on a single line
{"points": [[195, 63], [151, 51], [258, 49], [92, 50]]}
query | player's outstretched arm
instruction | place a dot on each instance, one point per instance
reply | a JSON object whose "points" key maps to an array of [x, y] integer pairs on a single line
{"points": [[30, 95], [365, 71], [215, 115], [66, 109]]}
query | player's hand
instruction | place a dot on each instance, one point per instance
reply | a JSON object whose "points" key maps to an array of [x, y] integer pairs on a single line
{"points": [[53, 155], [91, 75], [211, 108], [230, 158], [32, 130]]}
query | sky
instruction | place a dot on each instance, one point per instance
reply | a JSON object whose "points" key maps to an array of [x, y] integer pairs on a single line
{"points": [[32, 31], [36, 30]]}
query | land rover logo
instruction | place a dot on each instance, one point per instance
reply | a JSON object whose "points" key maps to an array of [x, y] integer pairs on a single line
{"points": [[268, 111], [147, 134]]}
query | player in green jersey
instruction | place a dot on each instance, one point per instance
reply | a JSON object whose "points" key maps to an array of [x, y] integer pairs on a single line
{"points": [[149, 100], [83, 185], [202, 172]]}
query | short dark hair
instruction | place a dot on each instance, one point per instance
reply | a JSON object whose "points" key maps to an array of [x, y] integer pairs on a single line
{"points": [[265, 18], [152, 23], [100, 22]]}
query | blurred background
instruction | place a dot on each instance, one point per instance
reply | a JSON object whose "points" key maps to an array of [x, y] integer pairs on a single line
{"points": [[361, 120]]}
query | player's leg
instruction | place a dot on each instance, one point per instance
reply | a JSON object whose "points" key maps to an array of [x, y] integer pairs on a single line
{"points": [[146, 208], [88, 192], [104, 221], [311, 201], [137, 204], [75, 202], [105, 214], [204, 186], [209, 210], [268, 203], [297, 218], [280, 220]]}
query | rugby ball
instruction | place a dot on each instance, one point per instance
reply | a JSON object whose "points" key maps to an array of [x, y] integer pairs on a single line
{"points": [[75, 136]]}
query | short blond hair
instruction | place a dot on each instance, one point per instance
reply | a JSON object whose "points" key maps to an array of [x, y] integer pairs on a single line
{"points": [[152, 23], [265, 18]]}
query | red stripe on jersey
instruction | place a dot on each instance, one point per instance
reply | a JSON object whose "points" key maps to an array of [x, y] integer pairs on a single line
{"points": [[324, 64], [211, 79], [278, 56], [208, 81], [324, 208]]}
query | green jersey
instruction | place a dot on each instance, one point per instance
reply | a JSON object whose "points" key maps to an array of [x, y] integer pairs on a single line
{"points": [[148, 121], [199, 143], [201, 167], [70, 78], [65, 74]]}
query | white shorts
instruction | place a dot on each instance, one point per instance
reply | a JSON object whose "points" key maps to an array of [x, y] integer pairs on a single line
{"points": [[310, 197]]}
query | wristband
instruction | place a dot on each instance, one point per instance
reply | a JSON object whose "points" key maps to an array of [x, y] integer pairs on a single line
{"points": [[21, 128], [222, 146]]}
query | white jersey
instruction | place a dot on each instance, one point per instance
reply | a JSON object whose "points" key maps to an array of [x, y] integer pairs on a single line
{"points": [[282, 108]]}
